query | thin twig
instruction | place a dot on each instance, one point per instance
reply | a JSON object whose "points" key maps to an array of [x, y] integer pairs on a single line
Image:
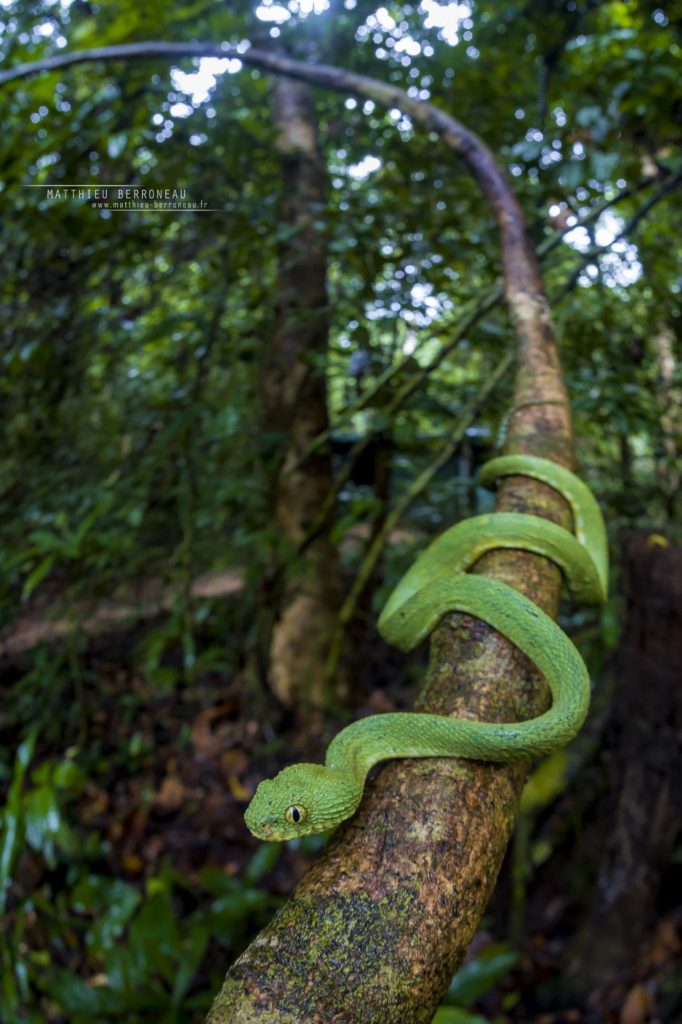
{"points": [[670, 183], [496, 293]]}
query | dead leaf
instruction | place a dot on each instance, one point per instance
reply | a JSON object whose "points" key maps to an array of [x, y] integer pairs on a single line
{"points": [[114, 831], [132, 864], [234, 761], [666, 945], [98, 981], [153, 848], [211, 730], [378, 701], [134, 829], [97, 804], [238, 789], [636, 1007], [170, 795]]}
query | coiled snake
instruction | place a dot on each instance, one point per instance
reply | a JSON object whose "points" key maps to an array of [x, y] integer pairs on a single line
{"points": [[307, 798]]}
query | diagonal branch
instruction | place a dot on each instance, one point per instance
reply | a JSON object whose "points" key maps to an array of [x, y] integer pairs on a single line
{"points": [[411, 385], [491, 296], [669, 183]]}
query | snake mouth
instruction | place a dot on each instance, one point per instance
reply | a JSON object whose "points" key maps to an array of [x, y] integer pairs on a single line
{"points": [[269, 835], [265, 829]]}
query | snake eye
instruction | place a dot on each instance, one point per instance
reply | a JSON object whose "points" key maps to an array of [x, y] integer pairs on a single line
{"points": [[295, 815]]}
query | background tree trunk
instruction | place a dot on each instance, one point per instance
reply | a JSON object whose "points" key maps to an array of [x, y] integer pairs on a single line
{"points": [[295, 410], [670, 404], [640, 813]]}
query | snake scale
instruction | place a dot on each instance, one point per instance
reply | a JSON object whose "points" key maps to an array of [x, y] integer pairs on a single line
{"points": [[307, 798]]}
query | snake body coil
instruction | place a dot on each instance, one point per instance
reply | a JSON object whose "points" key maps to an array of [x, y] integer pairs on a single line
{"points": [[308, 798]]}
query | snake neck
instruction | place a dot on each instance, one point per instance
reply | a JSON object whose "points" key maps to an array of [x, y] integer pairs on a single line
{"points": [[360, 746]]}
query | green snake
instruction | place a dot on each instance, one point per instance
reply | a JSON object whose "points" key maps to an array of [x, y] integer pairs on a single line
{"points": [[307, 798]]}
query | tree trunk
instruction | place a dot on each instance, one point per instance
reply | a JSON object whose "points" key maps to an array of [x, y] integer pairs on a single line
{"points": [[375, 930], [357, 631], [295, 409], [669, 401], [639, 816]]}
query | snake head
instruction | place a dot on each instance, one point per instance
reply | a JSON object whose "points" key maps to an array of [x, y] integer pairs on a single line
{"points": [[301, 799]]}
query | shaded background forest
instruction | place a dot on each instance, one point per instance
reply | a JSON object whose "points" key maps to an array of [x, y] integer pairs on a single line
{"points": [[145, 560]]}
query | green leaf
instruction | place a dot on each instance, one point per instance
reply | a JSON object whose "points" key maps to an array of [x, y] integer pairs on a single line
{"points": [[227, 915], [11, 817], [455, 1015], [476, 978], [610, 623], [572, 173], [116, 144], [604, 165], [216, 881], [43, 823], [73, 995], [527, 150], [128, 971], [47, 540], [154, 936], [545, 783], [262, 862], [68, 775], [587, 116], [111, 902], [193, 951], [163, 676], [38, 575]]}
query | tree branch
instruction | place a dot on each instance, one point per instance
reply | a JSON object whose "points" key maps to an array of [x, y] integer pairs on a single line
{"points": [[672, 181], [489, 298]]}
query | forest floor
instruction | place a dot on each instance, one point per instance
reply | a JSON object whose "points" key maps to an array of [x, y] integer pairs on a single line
{"points": [[169, 772], [144, 601]]}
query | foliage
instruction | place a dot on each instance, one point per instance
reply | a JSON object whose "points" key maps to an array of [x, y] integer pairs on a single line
{"points": [[472, 981], [140, 950]]}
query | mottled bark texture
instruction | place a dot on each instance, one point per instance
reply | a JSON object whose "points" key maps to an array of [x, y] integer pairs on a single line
{"points": [[294, 395], [640, 814], [375, 930], [669, 398]]}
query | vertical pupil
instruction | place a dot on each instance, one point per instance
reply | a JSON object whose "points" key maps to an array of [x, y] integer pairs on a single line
{"points": [[296, 814]]}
